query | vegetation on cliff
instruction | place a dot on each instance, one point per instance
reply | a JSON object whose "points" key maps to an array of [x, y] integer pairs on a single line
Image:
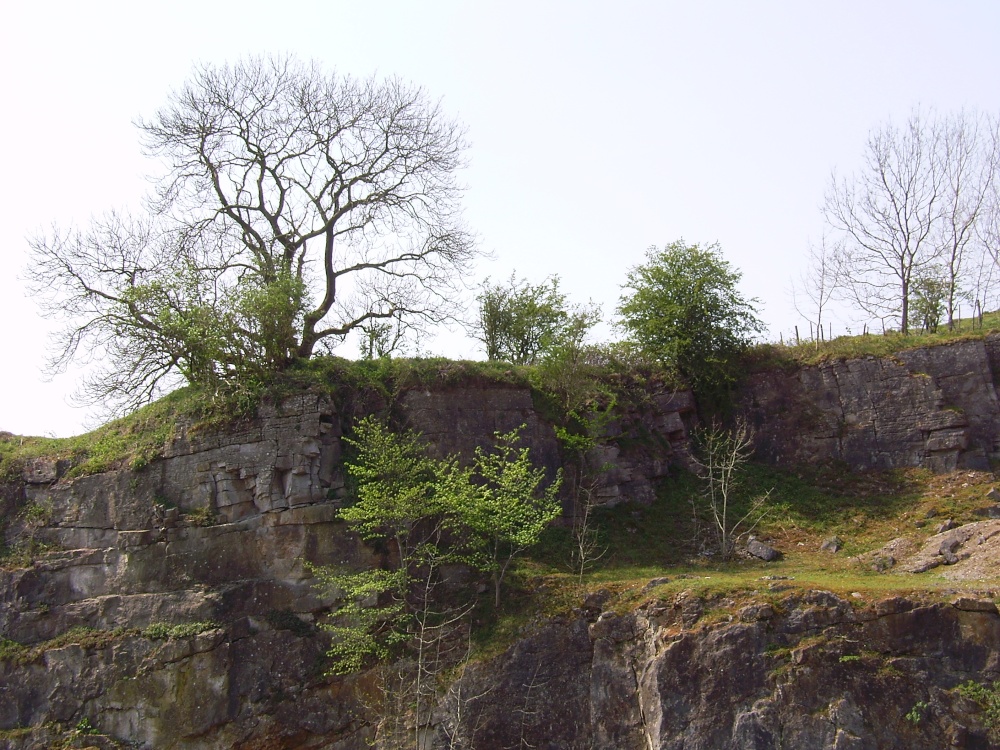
{"points": [[789, 354]]}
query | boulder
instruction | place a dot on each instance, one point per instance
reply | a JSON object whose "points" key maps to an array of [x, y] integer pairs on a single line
{"points": [[762, 551], [833, 544]]}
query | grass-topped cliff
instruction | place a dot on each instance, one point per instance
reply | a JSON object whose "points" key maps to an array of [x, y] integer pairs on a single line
{"points": [[197, 512], [139, 437], [806, 505], [871, 344]]}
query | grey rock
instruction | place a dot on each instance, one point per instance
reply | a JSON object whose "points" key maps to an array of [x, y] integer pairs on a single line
{"points": [[945, 526], [756, 612], [882, 563], [762, 551], [654, 582], [126, 553], [597, 599], [973, 604], [949, 545], [625, 683], [43, 470], [833, 544], [907, 410]]}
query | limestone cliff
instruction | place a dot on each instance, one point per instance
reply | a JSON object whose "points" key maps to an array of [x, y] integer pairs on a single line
{"points": [[218, 531], [805, 670], [216, 534], [935, 407]]}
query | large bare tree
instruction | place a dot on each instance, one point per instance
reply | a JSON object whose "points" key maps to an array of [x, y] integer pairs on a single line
{"points": [[887, 213], [969, 155], [911, 222], [294, 206]]}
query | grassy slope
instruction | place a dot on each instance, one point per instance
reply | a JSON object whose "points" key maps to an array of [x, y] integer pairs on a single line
{"points": [[131, 441], [807, 506]]}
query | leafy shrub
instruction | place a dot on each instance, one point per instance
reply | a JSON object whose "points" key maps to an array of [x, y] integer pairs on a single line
{"points": [[10, 649], [988, 699], [201, 517], [916, 714]]}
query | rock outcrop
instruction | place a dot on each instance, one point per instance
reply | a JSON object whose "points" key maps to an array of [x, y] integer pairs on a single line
{"points": [[220, 531], [935, 407], [809, 671], [215, 537]]}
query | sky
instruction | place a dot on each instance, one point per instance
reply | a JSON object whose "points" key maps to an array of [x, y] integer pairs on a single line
{"points": [[596, 129]]}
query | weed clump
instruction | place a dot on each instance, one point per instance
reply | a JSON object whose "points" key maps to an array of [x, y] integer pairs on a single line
{"points": [[166, 631]]}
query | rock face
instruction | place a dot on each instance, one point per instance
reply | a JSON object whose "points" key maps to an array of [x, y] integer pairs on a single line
{"points": [[825, 674], [640, 446], [220, 530], [935, 407]]}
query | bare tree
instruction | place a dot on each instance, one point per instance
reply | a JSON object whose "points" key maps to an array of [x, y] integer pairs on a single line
{"points": [[327, 202], [721, 456], [887, 214], [984, 273], [587, 546], [817, 286], [969, 154], [916, 219]]}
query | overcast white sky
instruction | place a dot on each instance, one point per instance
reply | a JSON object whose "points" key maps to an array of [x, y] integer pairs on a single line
{"points": [[596, 129]]}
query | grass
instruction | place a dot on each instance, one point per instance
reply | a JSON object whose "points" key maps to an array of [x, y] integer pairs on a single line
{"points": [[166, 631], [88, 638], [385, 374], [16, 733], [132, 441], [807, 505], [93, 638], [807, 502], [872, 345], [23, 552]]}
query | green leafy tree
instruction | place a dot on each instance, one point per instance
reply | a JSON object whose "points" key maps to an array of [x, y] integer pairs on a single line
{"points": [[403, 495], [521, 323], [683, 306], [929, 301], [410, 501], [371, 619], [429, 512], [381, 339], [510, 507]]}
